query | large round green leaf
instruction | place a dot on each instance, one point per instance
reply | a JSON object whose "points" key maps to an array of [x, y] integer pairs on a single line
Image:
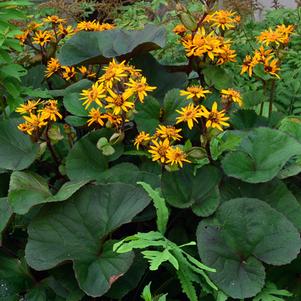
{"points": [[85, 161], [245, 232], [5, 214], [171, 103], [217, 77], [96, 277], [127, 173], [261, 155], [148, 115], [275, 193], [27, 189], [101, 46], [16, 149], [14, 278], [159, 75], [76, 230], [183, 189]]}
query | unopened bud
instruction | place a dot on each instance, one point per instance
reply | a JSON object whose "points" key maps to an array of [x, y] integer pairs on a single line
{"points": [[116, 138], [197, 153], [188, 21]]}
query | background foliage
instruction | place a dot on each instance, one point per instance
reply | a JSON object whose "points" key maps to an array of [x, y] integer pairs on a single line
{"points": [[86, 213]]}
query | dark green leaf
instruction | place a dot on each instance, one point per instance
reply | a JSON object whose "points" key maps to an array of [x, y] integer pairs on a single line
{"points": [[148, 115], [58, 232], [218, 77], [76, 121], [245, 231], [74, 105], [14, 278], [261, 155], [172, 102], [182, 189], [101, 46], [28, 189], [275, 193], [247, 119], [5, 214], [16, 149], [85, 161], [159, 76]]}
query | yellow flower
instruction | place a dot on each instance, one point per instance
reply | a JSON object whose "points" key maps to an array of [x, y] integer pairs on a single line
{"points": [[50, 111], [118, 103], [42, 37], [169, 132], [96, 117], [289, 29], [103, 26], [279, 36], [132, 71], [141, 138], [69, 72], [86, 26], [188, 114], [54, 20], [64, 31], [94, 94], [194, 92], [113, 71], [227, 55], [176, 156], [159, 150], [215, 118], [115, 120], [262, 54], [33, 26], [28, 107], [26, 128], [35, 121], [248, 65], [94, 26], [139, 87], [224, 19], [203, 44], [271, 67], [232, 95], [23, 36], [53, 66], [85, 72], [180, 29]]}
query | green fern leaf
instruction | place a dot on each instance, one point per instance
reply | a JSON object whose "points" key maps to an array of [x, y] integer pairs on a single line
{"points": [[160, 205]]}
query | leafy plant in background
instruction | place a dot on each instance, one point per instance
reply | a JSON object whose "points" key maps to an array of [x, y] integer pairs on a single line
{"points": [[123, 178], [10, 72]]}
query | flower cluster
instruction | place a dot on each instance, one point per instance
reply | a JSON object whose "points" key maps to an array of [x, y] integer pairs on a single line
{"points": [[37, 115], [280, 36], [93, 26], [54, 29], [162, 145], [66, 72], [51, 29], [45, 38], [223, 19], [268, 53], [114, 94], [207, 42], [195, 112]]}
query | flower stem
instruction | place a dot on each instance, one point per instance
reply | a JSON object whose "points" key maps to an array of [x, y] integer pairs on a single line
{"points": [[272, 96], [53, 153]]}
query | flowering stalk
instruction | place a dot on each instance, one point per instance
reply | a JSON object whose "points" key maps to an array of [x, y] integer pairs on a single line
{"points": [[52, 152]]}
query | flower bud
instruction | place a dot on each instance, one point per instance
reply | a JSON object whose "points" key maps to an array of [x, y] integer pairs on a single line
{"points": [[188, 21], [116, 138]]}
